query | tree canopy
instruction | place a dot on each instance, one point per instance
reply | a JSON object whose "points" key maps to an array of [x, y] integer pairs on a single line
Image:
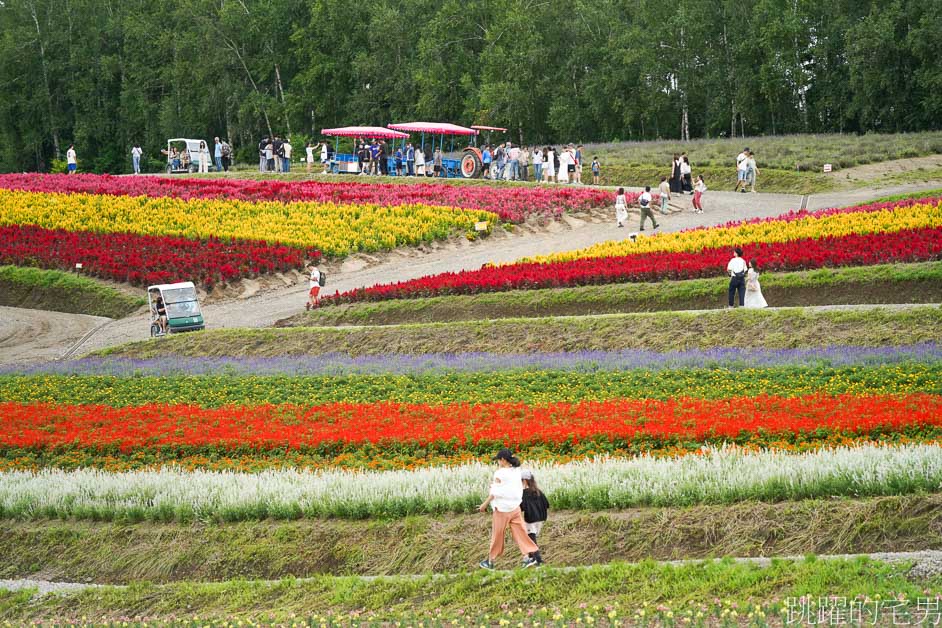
{"points": [[106, 74]]}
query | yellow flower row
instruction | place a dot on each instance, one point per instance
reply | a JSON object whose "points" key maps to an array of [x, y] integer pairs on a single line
{"points": [[887, 220], [334, 229]]}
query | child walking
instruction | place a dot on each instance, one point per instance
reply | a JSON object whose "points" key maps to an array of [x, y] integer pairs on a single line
{"points": [[596, 171], [621, 207], [505, 497], [698, 192], [535, 507]]}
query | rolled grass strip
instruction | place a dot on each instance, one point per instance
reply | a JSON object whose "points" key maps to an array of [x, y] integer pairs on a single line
{"points": [[718, 476], [63, 292]]}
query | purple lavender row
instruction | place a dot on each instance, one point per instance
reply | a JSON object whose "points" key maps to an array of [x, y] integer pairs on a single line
{"points": [[579, 361]]}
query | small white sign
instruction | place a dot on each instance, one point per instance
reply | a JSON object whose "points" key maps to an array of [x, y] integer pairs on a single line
{"points": [[480, 226], [78, 266], [827, 167]]}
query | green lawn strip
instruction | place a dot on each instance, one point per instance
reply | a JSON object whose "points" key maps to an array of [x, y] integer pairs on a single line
{"points": [[663, 331], [489, 597], [62, 292], [887, 283], [116, 553], [482, 387], [910, 195], [723, 178]]}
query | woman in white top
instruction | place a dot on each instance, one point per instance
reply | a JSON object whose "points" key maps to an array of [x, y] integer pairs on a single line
{"points": [[549, 169], [537, 164], [309, 155], [203, 156], [324, 159], [685, 175], [754, 298], [621, 207], [420, 162], [505, 496]]}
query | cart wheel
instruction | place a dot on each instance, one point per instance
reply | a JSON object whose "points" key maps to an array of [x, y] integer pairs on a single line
{"points": [[154, 330], [471, 166], [335, 168]]}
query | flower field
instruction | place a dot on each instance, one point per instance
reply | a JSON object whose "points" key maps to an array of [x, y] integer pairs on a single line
{"points": [[513, 204], [905, 231]]}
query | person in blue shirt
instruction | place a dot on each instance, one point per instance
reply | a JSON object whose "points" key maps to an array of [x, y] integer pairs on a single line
{"points": [[486, 161], [399, 162], [410, 159]]}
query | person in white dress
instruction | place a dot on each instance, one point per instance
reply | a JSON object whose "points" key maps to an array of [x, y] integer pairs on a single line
{"points": [[565, 158], [621, 208], [203, 157], [754, 298], [549, 170], [420, 163]]}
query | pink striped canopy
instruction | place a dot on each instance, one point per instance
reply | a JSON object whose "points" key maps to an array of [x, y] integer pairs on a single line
{"points": [[481, 127], [364, 131], [438, 128]]}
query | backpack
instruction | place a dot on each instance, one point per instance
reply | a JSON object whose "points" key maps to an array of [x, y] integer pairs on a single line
{"points": [[644, 202], [226, 150], [323, 279]]}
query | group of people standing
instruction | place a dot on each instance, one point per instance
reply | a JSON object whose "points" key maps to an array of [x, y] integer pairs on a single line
{"points": [[512, 163], [274, 154]]}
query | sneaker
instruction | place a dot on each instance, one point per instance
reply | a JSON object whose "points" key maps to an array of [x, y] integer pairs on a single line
{"points": [[486, 564], [529, 561], [656, 226]]}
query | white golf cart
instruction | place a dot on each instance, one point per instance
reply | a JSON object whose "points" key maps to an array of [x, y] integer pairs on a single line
{"points": [[183, 155], [181, 308]]}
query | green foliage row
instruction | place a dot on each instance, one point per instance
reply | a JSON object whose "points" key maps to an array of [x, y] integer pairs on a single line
{"points": [[453, 387], [63, 292], [619, 72]]}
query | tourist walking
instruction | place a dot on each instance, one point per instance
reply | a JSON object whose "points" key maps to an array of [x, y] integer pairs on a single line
{"points": [[504, 498], [325, 157], [686, 175], [263, 155], [226, 155], [675, 185], [741, 166], [71, 159], [644, 201], [308, 157], [499, 156], [136, 153], [286, 156], [698, 191], [754, 298], [217, 154], [313, 287], [621, 208], [737, 277], [535, 509], [486, 162], [665, 189], [203, 158], [751, 172]]}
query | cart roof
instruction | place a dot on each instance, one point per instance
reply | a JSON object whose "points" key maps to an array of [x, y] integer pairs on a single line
{"points": [[442, 128], [171, 286], [364, 131], [183, 139], [481, 127]]}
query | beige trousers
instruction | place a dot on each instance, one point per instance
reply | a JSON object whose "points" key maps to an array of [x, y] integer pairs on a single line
{"points": [[514, 520]]}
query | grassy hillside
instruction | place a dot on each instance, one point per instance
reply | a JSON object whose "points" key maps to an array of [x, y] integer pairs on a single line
{"points": [[890, 283], [770, 329], [75, 551], [62, 292]]}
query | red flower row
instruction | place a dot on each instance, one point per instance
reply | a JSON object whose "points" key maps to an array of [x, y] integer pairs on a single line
{"points": [[44, 426], [144, 259], [510, 203], [911, 245]]}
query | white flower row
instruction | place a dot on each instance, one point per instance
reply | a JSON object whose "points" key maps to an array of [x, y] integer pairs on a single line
{"points": [[717, 476]]}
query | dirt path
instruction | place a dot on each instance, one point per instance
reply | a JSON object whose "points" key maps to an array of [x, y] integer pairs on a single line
{"points": [[29, 335]]}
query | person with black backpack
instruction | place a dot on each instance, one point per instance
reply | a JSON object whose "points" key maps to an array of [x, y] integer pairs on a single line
{"points": [[737, 270], [535, 507], [315, 283], [226, 150]]}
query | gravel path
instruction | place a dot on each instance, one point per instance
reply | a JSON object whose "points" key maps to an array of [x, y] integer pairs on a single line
{"points": [[926, 564], [30, 336]]}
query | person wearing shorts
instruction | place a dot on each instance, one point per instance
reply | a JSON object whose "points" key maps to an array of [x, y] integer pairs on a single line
{"points": [[314, 288], [71, 159]]}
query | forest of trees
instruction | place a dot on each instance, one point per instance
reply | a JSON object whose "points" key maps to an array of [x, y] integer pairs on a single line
{"points": [[107, 73]]}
